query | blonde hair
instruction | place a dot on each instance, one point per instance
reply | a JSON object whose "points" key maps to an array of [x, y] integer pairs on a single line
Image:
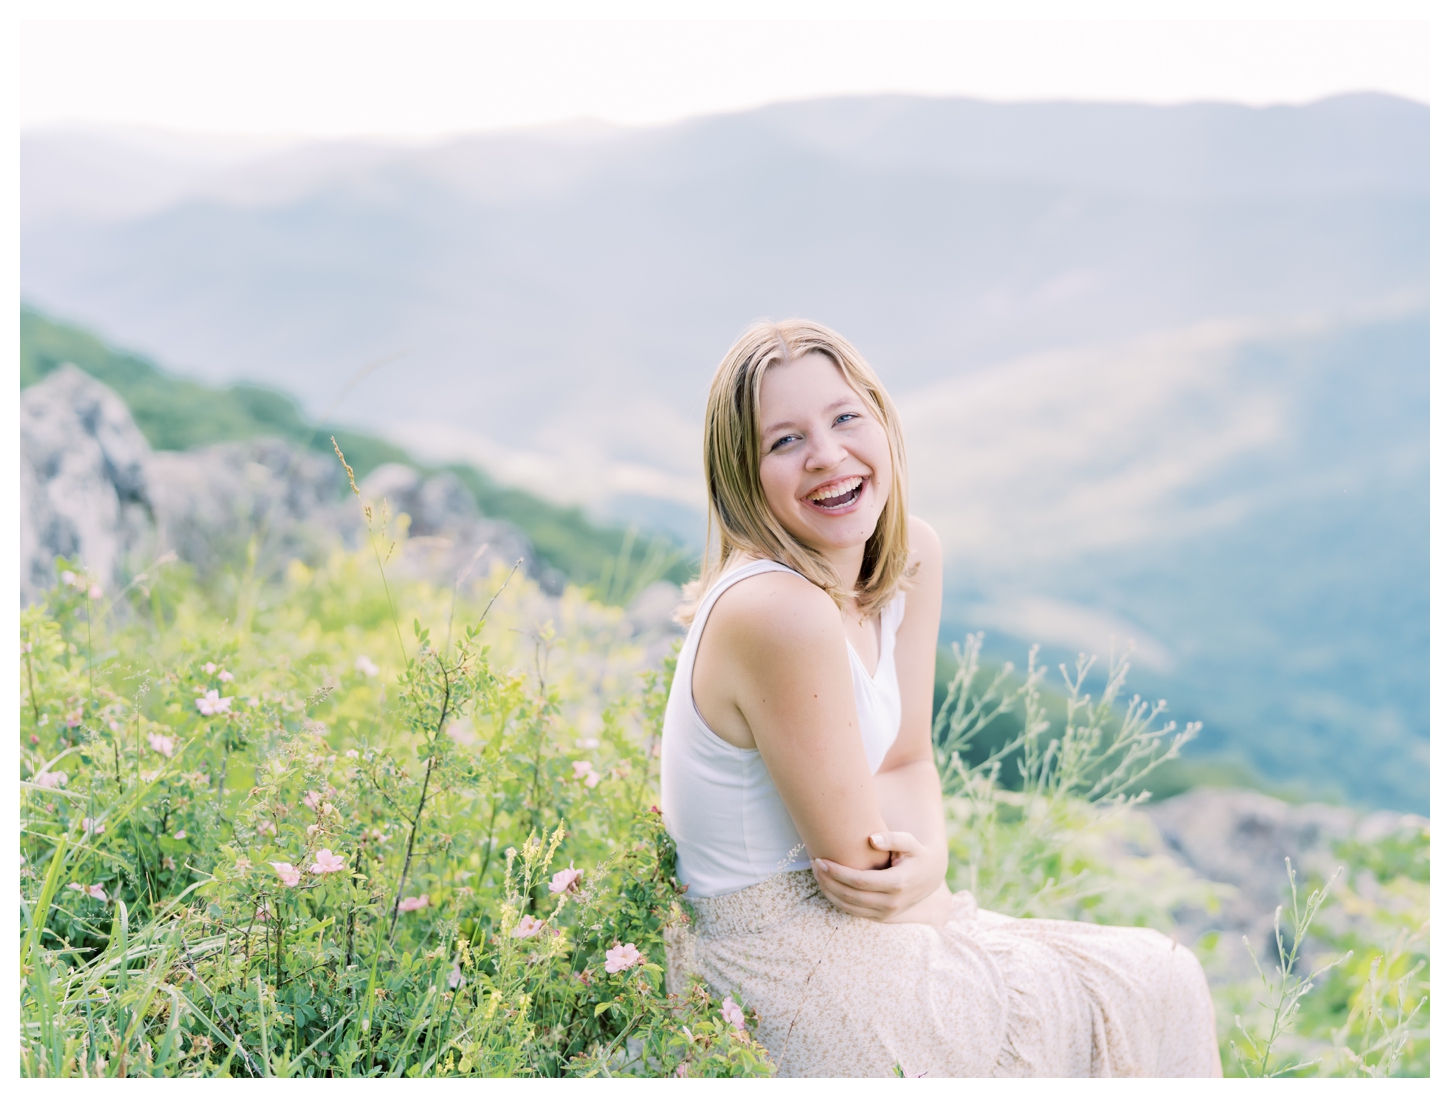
{"points": [[739, 520]]}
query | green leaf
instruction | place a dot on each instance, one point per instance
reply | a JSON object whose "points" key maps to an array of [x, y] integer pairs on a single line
{"points": [[601, 1008]]}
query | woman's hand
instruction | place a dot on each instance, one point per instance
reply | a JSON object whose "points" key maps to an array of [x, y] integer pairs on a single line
{"points": [[910, 890]]}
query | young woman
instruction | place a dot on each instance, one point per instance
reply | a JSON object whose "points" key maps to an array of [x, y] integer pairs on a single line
{"points": [[799, 783]]}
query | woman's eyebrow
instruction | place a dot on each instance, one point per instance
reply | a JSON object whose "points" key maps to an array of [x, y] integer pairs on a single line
{"points": [[774, 427]]}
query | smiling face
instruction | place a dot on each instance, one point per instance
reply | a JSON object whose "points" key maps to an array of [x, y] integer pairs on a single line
{"points": [[825, 461]]}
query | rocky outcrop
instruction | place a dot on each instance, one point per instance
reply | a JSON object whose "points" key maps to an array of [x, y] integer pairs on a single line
{"points": [[448, 539], [83, 485], [217, 505], [1240, 838], [93, 492]]}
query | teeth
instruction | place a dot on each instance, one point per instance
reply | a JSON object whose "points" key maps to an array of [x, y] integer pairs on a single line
{"points": [[838, 489]]}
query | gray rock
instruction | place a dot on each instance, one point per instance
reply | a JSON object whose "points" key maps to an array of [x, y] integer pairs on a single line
{"points": [[211, 503], [437, 504], [93, 492], [1241, 838], [448, 541], [83, 484]]}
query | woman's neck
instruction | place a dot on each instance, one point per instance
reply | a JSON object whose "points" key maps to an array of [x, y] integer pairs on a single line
{"points": [[847, 563]]}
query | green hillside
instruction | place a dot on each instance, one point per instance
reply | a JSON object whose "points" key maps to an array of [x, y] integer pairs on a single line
{"points": [[176, 413]]}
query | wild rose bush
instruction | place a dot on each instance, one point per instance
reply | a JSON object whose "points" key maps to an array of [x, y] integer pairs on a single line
{"points": [[276, 836], [268, 830]]}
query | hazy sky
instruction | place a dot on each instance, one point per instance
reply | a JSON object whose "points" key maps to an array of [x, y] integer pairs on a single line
{"points": [[431, 77]]}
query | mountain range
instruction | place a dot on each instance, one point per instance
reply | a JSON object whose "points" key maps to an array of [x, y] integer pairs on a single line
{"points": [[1164, 370]]}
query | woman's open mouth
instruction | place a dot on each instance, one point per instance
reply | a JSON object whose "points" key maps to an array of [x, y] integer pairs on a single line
{"points": [[839, 495]]}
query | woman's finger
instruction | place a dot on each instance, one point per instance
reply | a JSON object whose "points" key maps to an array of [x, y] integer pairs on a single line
{"points": [[903, 842], [874, 901], [868, 880]]}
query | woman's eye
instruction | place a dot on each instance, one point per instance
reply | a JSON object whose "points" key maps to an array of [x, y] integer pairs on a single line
{"points": [[844, 416], [778, 443]]}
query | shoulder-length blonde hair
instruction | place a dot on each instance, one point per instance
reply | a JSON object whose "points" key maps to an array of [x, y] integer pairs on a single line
{"points": [[739, 522]]}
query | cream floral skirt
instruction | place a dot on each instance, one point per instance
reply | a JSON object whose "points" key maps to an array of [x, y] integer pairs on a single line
{"points": [[984, 995]]}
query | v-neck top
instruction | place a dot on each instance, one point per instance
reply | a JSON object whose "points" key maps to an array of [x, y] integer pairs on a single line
{"points": [[720, 805]]}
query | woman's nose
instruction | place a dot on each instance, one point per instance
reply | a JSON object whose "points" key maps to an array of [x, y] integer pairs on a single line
{"points": [[824, 452]]}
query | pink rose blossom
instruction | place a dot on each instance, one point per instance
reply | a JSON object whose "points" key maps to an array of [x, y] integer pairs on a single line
{"points": [[288, 872], [48, 780], [414, 903], [328, 862], [163, 744], [621, 957], [566, 880], [213, 704], [584, 772], [528, 927], [731, 1012]]}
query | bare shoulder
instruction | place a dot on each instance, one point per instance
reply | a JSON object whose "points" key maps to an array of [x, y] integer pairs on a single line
{"points": [[926, 551], [774, 612]]}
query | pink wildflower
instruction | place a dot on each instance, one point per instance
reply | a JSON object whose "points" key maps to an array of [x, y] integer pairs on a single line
{"points": [[226, 676], [566, 880], [414, 903], [95, 892], [95, 592], [163, 744], [621, 957], [312, 799], [209, 668], [181, 834], [266, 827], [328, 862], [290, 874], [731, 1012], [366, 666], [48, 780], [73, 718], [584, 772], [528, 927], [456, 978], [68, 578], [213, 704], [92, 827]]}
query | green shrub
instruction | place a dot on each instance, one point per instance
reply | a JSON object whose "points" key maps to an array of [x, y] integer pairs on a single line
{"points": [[267, 830]]}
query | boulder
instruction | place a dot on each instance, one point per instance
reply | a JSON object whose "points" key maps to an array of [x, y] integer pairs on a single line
{"points": [[210, 503], [83, 486], [94, 492], [448, 541]]}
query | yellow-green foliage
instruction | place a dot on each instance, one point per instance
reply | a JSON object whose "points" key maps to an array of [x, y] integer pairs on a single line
{"points": [[286, 837], [325, 827]]}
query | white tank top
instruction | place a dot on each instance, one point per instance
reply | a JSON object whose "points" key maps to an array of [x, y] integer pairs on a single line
{"points": [[730, 827]]}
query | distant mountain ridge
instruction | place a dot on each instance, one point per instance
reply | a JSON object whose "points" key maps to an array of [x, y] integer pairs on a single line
{"points": [[1164, 369]]}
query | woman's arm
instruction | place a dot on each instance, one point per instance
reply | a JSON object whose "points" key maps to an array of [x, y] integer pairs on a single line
{"points": [[776, 651], [908, 788]]}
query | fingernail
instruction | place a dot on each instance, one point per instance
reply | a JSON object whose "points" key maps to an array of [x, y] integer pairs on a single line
{"points": [[879, 840]]}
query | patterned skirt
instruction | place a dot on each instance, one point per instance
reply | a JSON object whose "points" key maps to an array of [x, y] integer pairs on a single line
{"points": [[984, 995]]}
